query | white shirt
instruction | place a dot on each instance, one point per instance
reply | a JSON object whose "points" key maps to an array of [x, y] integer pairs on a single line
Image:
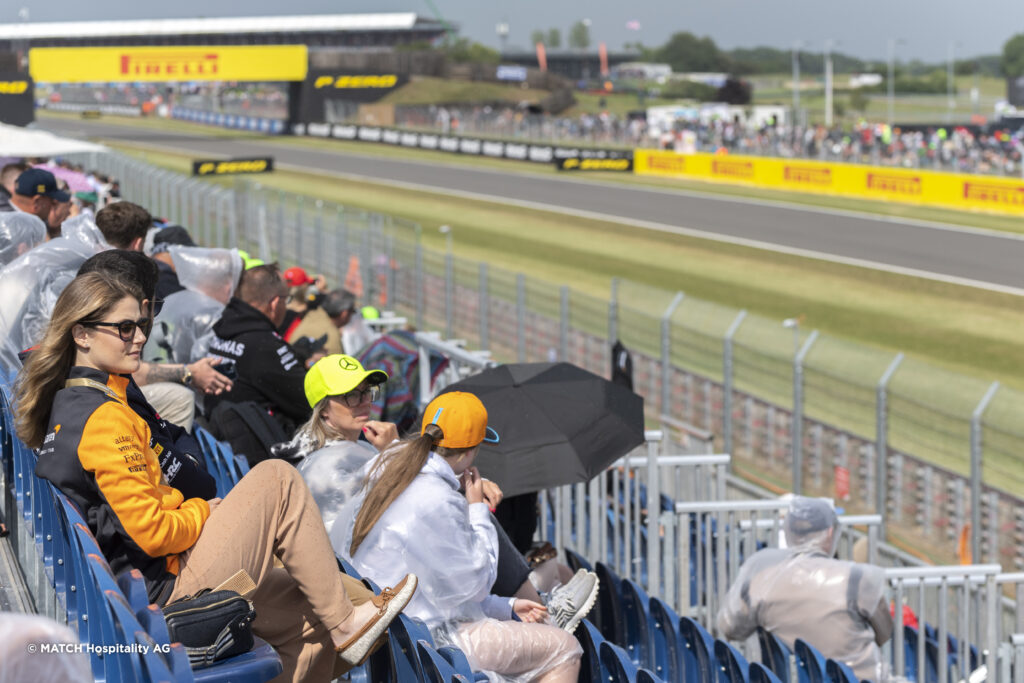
{"points": [[431, 531]]}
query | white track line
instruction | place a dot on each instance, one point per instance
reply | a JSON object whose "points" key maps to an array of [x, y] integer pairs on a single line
{"points": [[650, 225]]}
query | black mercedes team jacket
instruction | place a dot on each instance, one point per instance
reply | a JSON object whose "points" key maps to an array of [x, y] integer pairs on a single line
{"points": [[269, 372]]}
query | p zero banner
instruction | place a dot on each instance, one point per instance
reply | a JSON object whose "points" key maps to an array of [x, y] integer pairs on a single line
{"points": [[584, 164], [168, 64], [950, 190], [203, 167], [16, 99], [345, 89]]}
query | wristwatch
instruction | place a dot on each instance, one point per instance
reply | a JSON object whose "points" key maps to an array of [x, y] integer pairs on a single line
{"points": [[186, 378]]}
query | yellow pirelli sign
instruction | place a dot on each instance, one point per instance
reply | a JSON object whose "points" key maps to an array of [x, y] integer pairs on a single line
{"points": [[910, 186], [168, 64]]}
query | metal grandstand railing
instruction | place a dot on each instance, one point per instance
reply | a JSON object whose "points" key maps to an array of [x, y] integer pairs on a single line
{"points": [[935, 453]]}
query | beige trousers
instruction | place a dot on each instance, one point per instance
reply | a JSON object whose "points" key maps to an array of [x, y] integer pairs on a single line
{"points": [[270, 515]]}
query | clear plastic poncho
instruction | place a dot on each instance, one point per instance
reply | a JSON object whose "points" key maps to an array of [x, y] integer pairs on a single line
{"points": [[452, 547], [31, 283], [19, 232], [802, 592], [333, 474], [209, 277], [22, 640]]}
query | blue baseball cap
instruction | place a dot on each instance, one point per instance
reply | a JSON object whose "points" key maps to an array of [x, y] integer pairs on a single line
{"points": [[37, 181]]}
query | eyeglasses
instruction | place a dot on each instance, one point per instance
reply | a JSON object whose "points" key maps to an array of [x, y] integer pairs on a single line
{"points": [[125, 328], [357, 397]]}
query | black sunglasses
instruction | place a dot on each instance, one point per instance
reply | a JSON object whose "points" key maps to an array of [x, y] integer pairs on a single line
{"points": [[125, 328], [357, 397]]}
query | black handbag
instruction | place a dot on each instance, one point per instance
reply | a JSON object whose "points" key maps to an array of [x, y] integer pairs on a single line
{"points": [[212, 625]]}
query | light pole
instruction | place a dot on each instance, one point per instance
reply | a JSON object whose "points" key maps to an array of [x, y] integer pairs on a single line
{"points": [[893, 42], [796, 80], [950, 84], [502, 30], [829, 44]]}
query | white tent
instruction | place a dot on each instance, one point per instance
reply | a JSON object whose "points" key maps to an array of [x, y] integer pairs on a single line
{"points": [[16, 141]]}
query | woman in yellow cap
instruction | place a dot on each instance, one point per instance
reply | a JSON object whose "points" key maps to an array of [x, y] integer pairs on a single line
{"points": [[341, 392], [411, 517]]}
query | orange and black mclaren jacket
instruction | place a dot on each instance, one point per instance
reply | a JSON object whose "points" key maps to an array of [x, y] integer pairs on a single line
{"points": [[97, 452]]}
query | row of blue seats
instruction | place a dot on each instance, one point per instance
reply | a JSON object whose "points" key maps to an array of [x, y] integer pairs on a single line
{"points": [[103, 611]]}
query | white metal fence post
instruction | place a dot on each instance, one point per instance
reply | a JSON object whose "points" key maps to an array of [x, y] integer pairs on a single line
{"points": [[797, 423], [976, 470], [727, 380], [666, 353]]}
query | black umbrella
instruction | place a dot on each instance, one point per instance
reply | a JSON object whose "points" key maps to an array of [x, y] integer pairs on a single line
{"points": [[558, 424]]}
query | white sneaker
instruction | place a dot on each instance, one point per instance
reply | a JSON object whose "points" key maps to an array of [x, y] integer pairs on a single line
{"points": [[569, 604]]}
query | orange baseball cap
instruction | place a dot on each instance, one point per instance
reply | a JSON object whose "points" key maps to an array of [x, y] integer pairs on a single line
{"points": [[461, 417]]}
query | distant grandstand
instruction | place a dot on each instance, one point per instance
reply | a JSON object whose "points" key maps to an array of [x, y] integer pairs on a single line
{"points": [[329, 30]]}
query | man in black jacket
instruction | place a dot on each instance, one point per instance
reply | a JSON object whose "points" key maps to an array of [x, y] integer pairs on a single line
{"points": [[269, 371]]}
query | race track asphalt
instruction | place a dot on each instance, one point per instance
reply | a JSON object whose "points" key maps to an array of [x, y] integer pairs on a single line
{"points": [[951, 254]]}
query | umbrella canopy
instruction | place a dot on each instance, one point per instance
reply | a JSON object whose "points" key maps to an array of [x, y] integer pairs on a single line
{"points": [[75, 180], [558, 423]]}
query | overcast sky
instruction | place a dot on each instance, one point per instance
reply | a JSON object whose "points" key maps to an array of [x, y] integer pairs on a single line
{"points": [[862, 27]]}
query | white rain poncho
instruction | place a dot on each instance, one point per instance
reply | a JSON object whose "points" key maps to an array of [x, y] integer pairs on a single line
{"points": [[209, 277], [22, 639], [333, 474], [839, 607], [31, 283], [19, 232], [452, 547]]}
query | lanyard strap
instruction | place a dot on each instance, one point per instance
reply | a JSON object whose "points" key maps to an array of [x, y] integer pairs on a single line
{"points": [[93, 384]]}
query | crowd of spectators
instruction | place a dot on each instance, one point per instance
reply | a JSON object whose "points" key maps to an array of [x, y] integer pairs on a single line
{"points": [[125, 335]]}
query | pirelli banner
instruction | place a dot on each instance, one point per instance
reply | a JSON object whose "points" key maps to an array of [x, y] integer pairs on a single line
{"points": [[323, 87], [168, 64], [950, 190], [205, 167], [16, 99]]}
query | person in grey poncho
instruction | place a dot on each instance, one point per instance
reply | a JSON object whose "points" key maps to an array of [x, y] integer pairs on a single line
{"points": [[182, 329], [838, 607], [19, 232]]}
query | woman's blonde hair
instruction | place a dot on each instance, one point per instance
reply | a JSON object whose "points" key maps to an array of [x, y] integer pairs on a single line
{"points": [[316, 429], [88, 298], [394, 471]]}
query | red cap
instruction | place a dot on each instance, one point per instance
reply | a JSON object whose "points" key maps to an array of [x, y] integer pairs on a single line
{"points": [[296, 277]]}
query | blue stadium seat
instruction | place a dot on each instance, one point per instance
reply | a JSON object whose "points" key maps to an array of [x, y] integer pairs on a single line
{"points": [[609, 604], [617, 663], [645, 676], [838, 672], [774, 653], [590, 666], [732, 666], [666, 643], [403, 634], [810, 664], [576, 561], [637, 624], [436, 668], [700, 665], [759, 673]]}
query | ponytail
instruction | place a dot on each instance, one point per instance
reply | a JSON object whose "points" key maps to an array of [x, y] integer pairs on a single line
{"points": [[394, 471]]}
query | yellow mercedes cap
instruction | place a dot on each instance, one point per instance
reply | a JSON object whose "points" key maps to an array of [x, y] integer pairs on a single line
{"points": [[338, 374]]}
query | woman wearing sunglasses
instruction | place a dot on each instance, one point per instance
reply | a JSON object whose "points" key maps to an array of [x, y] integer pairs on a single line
{"points": [[71, 405], [341, 393]]}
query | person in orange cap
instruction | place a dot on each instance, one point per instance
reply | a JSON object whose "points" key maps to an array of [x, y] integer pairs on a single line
{"points": [[411, 515]]}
